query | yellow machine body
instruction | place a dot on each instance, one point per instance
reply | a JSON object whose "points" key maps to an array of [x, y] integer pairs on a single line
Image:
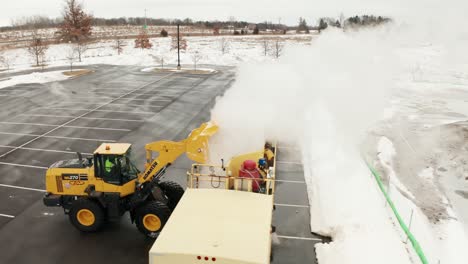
{"points": [[73, 177]]}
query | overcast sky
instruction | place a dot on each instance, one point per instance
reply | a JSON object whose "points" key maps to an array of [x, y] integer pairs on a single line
{"points": [[252, 10]]}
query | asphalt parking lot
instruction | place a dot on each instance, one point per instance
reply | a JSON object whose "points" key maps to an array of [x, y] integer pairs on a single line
{"points": [[43, 123]]}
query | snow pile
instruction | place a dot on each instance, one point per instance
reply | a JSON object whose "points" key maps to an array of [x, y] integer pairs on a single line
{"points": [[36, 77]]}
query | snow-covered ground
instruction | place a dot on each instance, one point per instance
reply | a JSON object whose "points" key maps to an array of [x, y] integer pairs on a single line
{"points": [[424, 141], [208, 49]]}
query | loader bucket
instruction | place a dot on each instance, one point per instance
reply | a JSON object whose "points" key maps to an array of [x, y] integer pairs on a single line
{"points": [[197, 142]]}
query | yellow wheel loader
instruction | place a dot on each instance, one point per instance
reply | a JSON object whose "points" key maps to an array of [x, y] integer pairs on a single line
{"points": [[103, 187]]}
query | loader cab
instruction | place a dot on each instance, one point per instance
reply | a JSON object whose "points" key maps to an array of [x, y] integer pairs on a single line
{"points": [[113, 163]]}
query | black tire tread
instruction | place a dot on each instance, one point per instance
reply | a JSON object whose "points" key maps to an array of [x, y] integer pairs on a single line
{"points": [[173, 191], [152, 207], [99, 215]]}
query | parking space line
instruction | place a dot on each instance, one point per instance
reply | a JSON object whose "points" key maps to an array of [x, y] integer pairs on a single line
{"points": [[152, 94], [21, 188], [301, 238], [35, 135], [130, 105], [92, 97], [289, 181], [45, 150], [7, 216], [120, 89], [108, 111], [88, 112], [292, 205], [289, 162], [89, 118], [23, 165], [156, 93], [144, 100], [80, 127]]}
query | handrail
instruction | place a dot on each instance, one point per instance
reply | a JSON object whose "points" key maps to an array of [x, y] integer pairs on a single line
{"points": [[195, 177]]}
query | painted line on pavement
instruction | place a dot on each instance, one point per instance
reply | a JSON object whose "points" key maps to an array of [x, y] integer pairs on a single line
{"points": [[108, 111], [23, 165], [142, 94], [290, 181], [289, 162], [143, 100], [7, 216], [35, 135], [301, 238], [79, 127], [292, 205], [89, 118], [122, 104], [45, 150], [21, 188]]}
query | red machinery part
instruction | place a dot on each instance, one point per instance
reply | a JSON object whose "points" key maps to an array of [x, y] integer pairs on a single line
{"points": [[249, 170]]}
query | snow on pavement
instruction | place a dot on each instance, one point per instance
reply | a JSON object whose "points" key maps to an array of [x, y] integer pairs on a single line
{"points": [[35, 77]]}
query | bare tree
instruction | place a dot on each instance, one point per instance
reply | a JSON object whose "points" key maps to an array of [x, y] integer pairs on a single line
{"points": [[159, 59], [5, 61], [224, 45], [71, 57], [119, 45], [81, 46], [38, 48], [265, 46], [277, 48], [196, 57], [77, 24], [183, 43]]}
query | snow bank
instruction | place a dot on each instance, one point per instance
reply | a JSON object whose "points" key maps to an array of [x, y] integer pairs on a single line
{"points": [[36, 77], [442, 243]]}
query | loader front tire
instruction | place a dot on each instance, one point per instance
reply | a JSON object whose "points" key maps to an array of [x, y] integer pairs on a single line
{"points": [[86, 215], [151, 218], [173, 191]]}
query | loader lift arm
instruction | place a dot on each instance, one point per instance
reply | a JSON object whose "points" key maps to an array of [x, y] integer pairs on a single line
{"points": [[195, 146]]}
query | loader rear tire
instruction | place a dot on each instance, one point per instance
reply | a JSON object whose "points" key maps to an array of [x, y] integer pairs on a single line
{"points": [[86, 215], [173, 191], [151, 218]]}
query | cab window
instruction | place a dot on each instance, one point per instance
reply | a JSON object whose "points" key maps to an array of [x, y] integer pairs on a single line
{"points": [[115, 169]]}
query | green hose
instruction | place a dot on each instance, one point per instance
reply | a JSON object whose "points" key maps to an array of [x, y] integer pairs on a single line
{"points": [[416, 246]]}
